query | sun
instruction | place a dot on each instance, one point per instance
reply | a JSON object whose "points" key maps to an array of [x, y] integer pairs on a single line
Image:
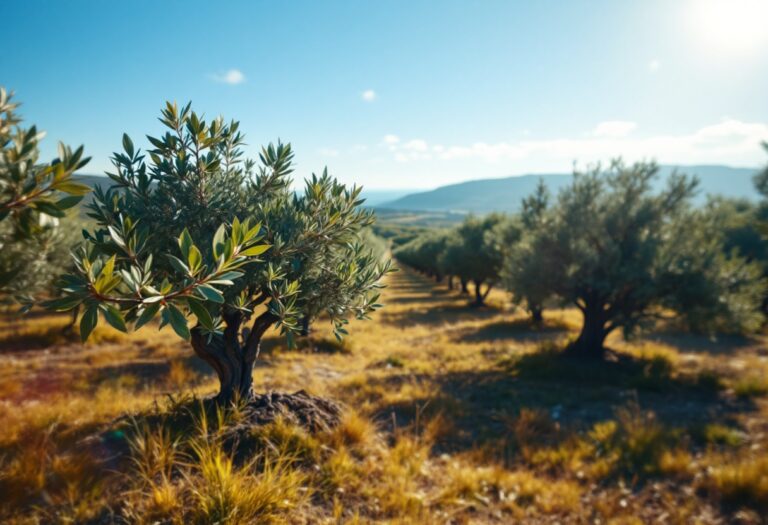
{"points": [[730, 27]]}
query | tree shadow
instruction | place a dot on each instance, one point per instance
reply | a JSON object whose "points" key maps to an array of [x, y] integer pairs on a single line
{"points": [[520, 329], [719, 344], [574, 394], [440, 314], [312, 344]]}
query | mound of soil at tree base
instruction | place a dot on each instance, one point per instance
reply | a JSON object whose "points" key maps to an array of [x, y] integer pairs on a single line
{"points": [[314, 414]]}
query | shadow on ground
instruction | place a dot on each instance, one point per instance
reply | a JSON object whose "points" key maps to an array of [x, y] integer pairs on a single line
{"points": [[520, 329], [574, 394]]}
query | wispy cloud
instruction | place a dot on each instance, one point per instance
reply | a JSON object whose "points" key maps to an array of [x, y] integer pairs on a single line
{"points": [[328, 152], [729, 141], [614, 128], [368, 95], [654, 65], [232, 77]]}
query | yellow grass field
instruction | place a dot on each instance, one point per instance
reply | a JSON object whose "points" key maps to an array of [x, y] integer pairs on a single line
{"points": [[453, 414]]}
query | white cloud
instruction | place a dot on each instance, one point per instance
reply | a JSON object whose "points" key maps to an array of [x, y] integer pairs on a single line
{"points": [[614, 128], [416, 145], [369, 95], [232, 77], [654, 65], [328, 152], [729, 141], [391, 139]]}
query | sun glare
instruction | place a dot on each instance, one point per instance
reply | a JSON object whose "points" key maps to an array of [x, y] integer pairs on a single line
{"points": [[730, 27]]}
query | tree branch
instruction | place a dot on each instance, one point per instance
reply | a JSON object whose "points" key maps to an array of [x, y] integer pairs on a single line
{"points": [[260, 325]]}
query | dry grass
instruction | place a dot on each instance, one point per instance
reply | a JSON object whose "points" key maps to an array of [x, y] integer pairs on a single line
{"points": [[454, 415]]}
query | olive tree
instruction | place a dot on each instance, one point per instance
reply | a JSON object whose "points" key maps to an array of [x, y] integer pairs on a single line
{"points": [[522, 272], [475, 251], [625, 255], [423, 253], [191, 229], [33, 196]]}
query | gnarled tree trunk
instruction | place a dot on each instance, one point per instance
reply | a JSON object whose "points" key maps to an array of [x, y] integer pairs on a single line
{"points": [[593, 333], [232, 360], [306, 326], [464, 286], [479, 294]]}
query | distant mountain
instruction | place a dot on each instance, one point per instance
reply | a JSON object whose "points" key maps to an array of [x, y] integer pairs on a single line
{"points": [[504, 194], [372, 197], [94, 180], [377, 197]]}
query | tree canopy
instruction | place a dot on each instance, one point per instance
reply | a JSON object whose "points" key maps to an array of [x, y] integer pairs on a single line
{"points": [[522, 271], [624, 255], [191, 228]]}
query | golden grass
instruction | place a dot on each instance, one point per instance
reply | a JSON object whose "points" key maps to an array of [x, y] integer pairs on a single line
{"points": [[453, 415]]}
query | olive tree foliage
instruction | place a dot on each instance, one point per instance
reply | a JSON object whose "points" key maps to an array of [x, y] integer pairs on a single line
{"points": [[423, 253], [522, 272], [761, 179], [761, 184], [625, 255], [33, 196], [192, 230], [475, 250], [377, 248]]}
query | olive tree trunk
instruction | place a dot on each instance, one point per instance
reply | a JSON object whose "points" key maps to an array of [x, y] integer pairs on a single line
{"points": [[591, 340], [464, 286], [480, 295], [537, 313], [306, 326], [231, 359]]}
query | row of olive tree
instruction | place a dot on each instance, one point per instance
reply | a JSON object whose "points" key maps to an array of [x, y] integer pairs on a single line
{"points": [[623, 254], [473, 252]]}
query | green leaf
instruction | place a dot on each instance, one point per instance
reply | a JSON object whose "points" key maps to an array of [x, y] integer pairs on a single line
{"points": [[194, 258], [252, 232], [64, 303], [48, 208], [211, 293], [66, 203], [128, 145], [146, 315], [113, 316], [229, 276], [185, 243], [235, 234], [201, 312], [256, 250], [73, 188], [218, 241], [109, 267], [176, 319], [178, 264], [88, 322]]}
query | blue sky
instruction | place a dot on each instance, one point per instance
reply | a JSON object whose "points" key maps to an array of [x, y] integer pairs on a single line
{"points": [[405, 94]]}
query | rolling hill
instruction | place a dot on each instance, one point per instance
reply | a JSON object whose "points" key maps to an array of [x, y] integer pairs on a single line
{"points": [[504, 194]]}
